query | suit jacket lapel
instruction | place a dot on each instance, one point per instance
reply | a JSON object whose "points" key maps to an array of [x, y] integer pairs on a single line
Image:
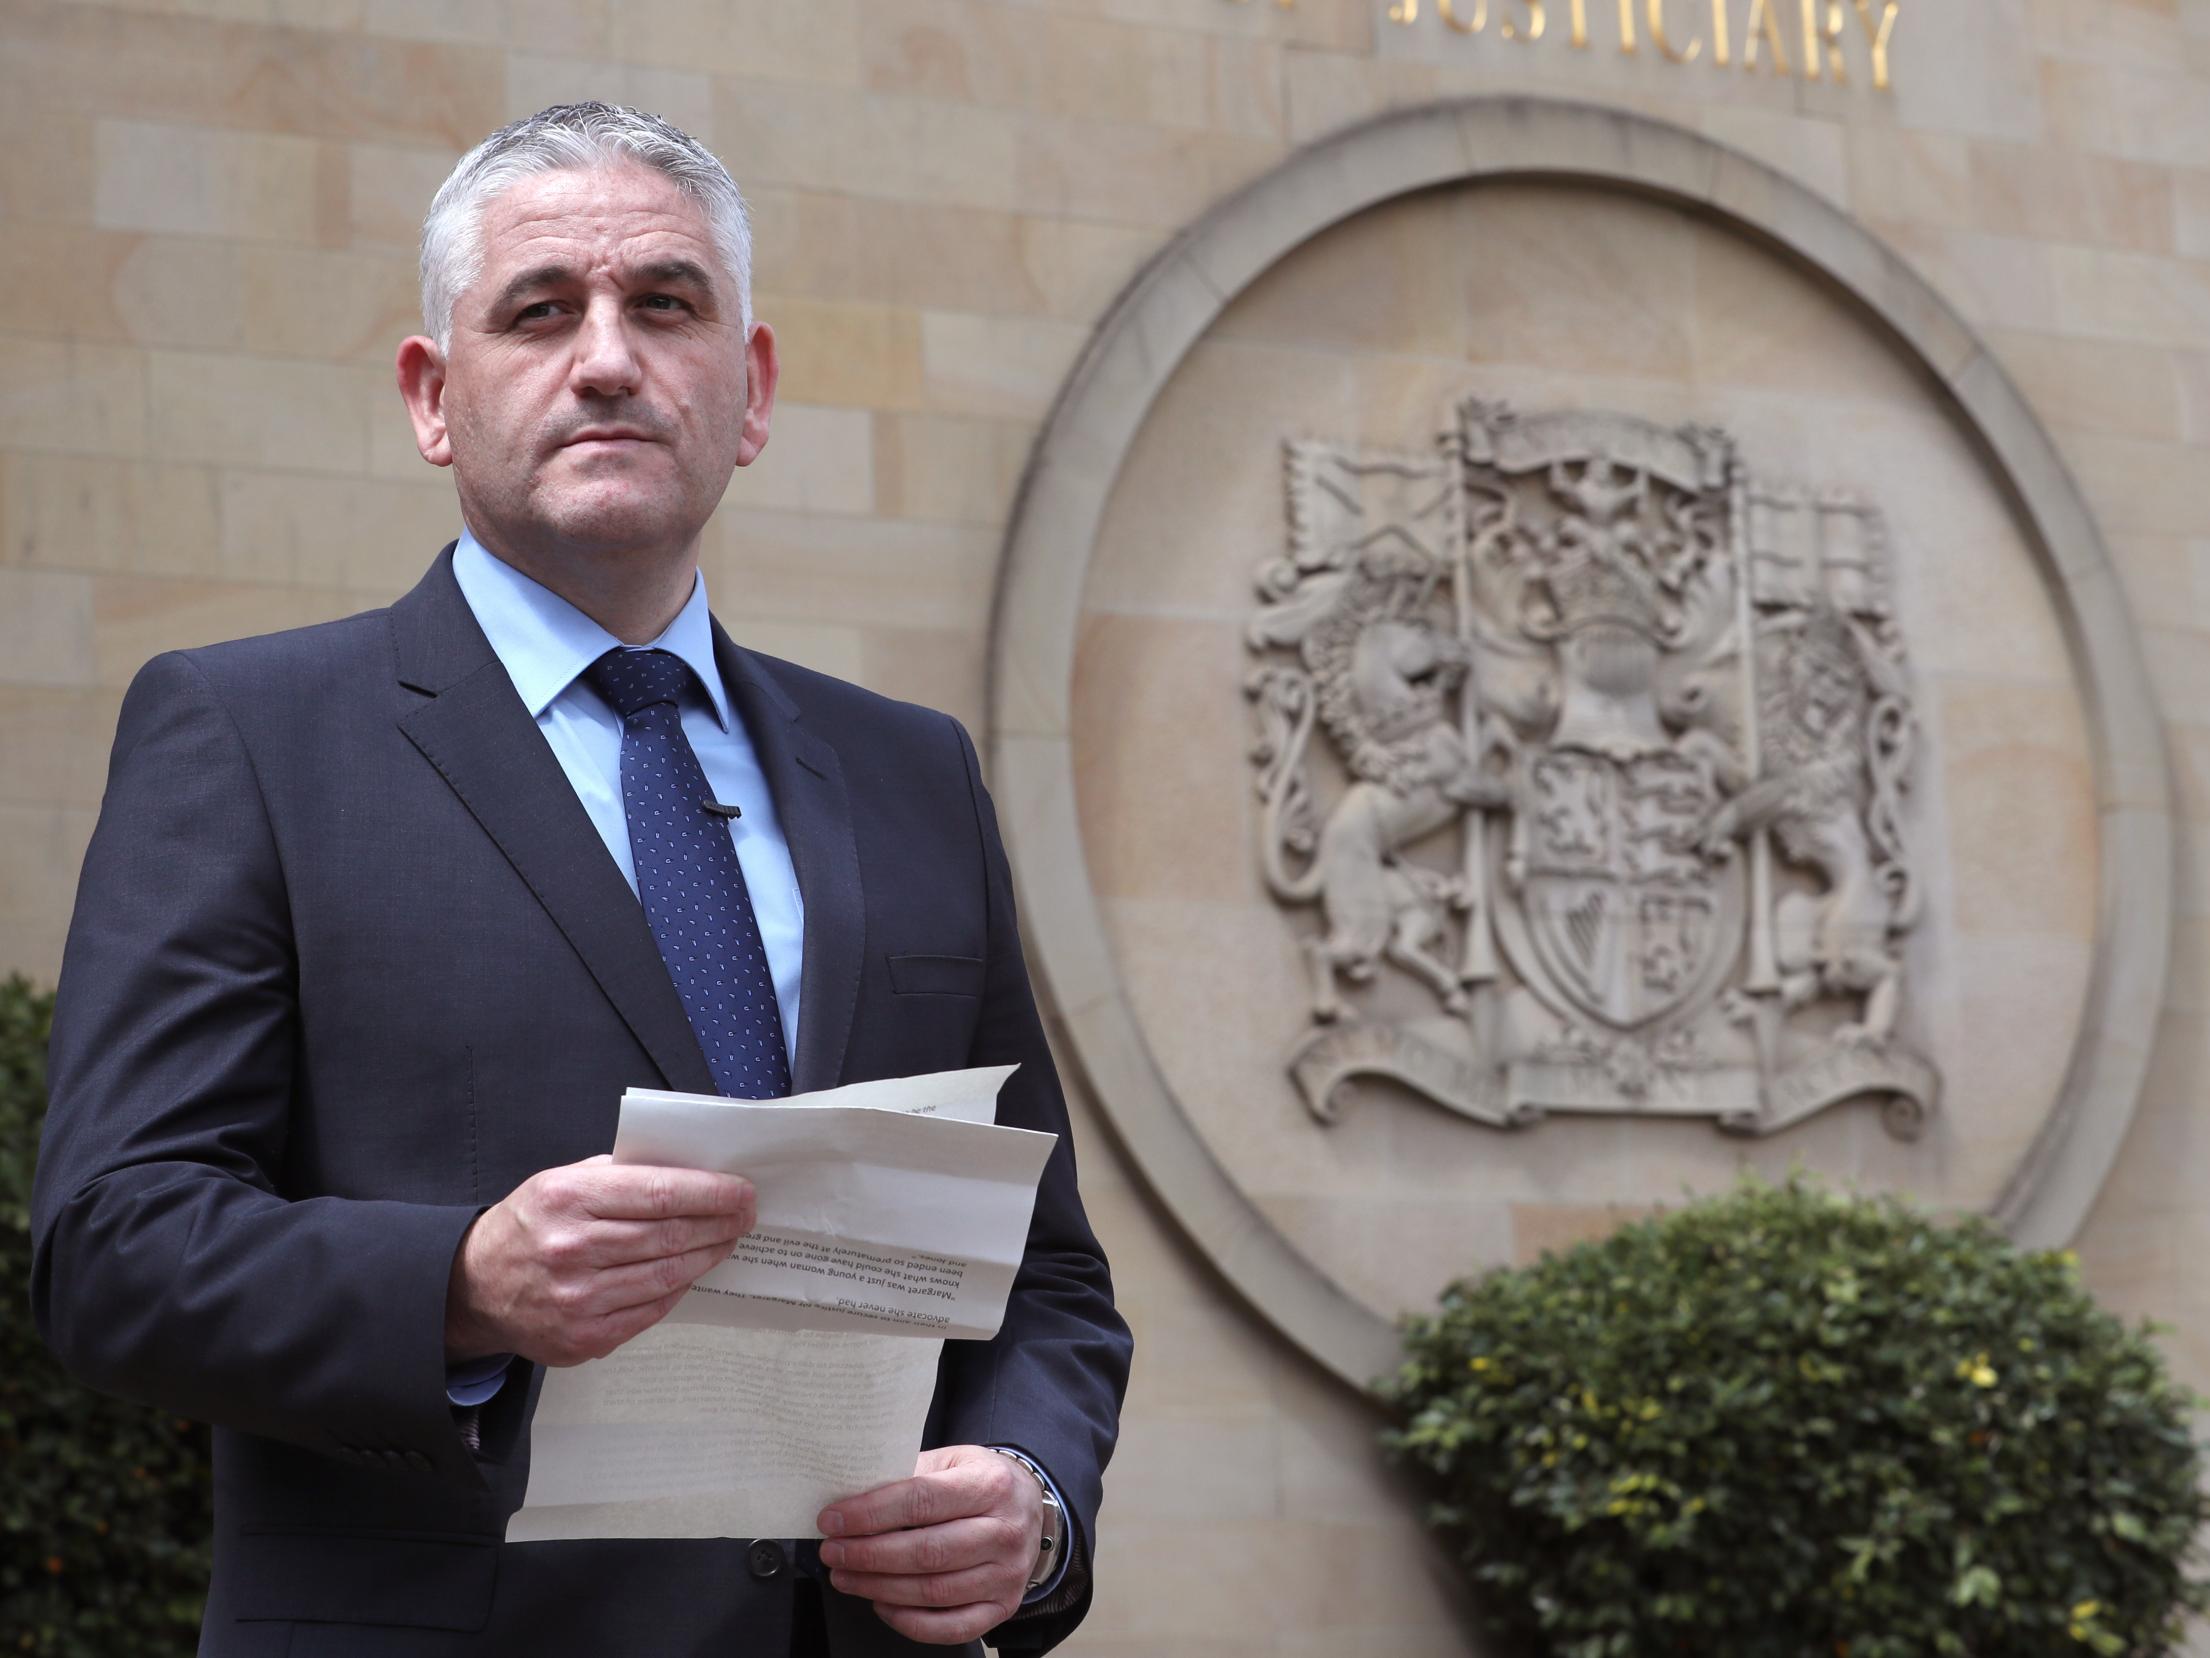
{"points": [[477, 733], [807, 783]]}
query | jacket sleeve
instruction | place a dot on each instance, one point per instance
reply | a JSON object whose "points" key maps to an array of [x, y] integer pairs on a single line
{"points": [[170, 1265], [1050, 1383]]}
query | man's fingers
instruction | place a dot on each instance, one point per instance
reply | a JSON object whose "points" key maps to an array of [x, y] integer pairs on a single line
{"points": [[607, 1332], [617, 1242], [952, 1627], [921, 1501], [638, 1191], [927, 1499], [640, 1282], [951, 1547], [950, 1589]]}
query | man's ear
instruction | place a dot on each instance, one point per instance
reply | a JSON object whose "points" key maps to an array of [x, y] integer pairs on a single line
{"points": [[760, 370], [421, 368]]}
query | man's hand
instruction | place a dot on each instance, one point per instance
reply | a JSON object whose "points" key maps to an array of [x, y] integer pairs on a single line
{"points": [[944, 1555], [578, 1259]]}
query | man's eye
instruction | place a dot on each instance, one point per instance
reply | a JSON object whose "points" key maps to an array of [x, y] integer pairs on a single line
{"points": [[663, 302], [530, 313]]}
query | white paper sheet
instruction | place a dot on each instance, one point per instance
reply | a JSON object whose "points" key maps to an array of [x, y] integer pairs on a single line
{"points": [[701, 1430], [871, 1219], [800, 1370]]}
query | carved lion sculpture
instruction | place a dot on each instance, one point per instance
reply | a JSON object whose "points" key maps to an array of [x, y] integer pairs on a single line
{"points": [[1834, 727], [1382, 686]]}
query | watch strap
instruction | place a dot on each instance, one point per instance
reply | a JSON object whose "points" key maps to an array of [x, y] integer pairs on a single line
{"points": [[1053, 1542]]}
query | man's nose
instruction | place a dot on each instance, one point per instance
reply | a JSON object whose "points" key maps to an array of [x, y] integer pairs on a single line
{"points": [[605, 359]]}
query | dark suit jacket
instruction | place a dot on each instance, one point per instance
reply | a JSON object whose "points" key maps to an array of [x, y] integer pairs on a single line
{"points": [[349, 963]]}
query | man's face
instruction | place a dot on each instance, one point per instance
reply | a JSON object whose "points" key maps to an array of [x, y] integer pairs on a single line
{"points": [[599, 388]]}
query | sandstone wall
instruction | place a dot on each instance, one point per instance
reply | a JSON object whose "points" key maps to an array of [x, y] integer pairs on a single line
{"points": [[207, 213]]}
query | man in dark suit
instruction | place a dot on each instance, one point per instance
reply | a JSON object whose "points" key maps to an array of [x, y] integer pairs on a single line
{"points": [[381, 917]]}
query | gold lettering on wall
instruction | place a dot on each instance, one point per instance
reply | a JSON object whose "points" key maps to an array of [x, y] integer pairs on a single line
{"points": [[1674, 53], [1825, 28], [1879, 37], [1822, 40], [1533, 31], [1763, 28]]}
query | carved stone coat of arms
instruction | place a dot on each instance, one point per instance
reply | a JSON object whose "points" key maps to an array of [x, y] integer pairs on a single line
{"points": [[1620, 744]]}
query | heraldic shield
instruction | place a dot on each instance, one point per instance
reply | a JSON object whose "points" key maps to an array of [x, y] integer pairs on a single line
{"points": [[1620, 743], [1620, 920]]}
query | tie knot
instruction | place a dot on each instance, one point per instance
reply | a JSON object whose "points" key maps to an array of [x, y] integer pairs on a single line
{"points": [[633, 680]]}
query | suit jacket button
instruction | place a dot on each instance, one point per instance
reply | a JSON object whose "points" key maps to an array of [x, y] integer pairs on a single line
{"points": [[764, 1557]]}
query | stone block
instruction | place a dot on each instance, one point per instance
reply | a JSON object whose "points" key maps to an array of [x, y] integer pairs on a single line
{"points": [[1008, 367], [58, 742], [57, 281], [1323, 92], [829, 139], [939, 668], [1910, 175], [369, 535], [2058, 196], [67, 397], [816, 460], [948, 469], [1040, 60], [2191, 190], [41, 854], [859, 569], [46, 164], [2129, 296], [389, 188], [2094, 385], [45, 626], [2148, 114], [256, 411], [683, 93], [251, 78], [841, 354], [95, 513], [1125, 172], [136, 618]]}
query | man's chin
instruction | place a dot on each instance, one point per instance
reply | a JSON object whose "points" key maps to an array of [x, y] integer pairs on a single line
{"points": [[616, 525]]}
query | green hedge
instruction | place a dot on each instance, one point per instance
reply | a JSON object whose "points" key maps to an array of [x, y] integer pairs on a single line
{"points": [[1789, 1422], [104, 1513]]}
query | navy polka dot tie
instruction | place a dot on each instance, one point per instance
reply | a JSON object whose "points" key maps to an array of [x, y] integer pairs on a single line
{"points": [[690, 881]]}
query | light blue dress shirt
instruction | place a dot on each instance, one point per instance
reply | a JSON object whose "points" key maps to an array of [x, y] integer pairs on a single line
{"points": [[545, 643]]}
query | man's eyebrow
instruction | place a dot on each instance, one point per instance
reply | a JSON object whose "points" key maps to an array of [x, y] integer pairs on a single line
{"points": [[677, 270], [543, 276]]}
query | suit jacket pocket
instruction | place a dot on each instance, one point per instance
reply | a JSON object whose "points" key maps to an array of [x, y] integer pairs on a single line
{"points": [[936, 975], [331, 1574]]}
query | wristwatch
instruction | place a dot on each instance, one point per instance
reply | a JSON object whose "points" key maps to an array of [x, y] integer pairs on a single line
{"points": [[1055, 1523]]}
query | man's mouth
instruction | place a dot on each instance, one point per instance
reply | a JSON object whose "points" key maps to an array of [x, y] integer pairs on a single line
{"points": [[606, 437]]}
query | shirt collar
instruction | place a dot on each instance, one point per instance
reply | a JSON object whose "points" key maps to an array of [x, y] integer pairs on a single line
{"points": [[544, 642]]}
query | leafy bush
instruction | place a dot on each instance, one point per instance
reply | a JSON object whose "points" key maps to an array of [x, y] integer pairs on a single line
{"points": [[1788, 1422], [104, 1513]]}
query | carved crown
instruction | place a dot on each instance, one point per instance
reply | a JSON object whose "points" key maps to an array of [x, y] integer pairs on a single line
{"points": [[1589, 582]]}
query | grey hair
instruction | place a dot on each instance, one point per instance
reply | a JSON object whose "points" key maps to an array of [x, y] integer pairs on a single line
{"points": [[554, 140]]}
